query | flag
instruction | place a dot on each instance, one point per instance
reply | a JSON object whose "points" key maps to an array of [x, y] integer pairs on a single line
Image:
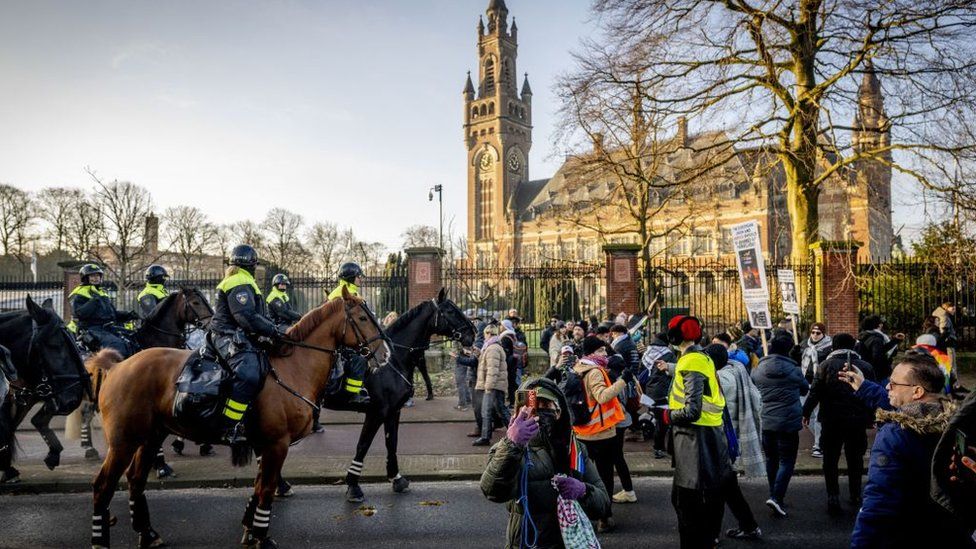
{"points": [[576, 461]]}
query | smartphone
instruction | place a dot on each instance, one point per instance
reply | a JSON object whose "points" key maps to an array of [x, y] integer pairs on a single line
{"points": [[961, 442], [531, 401]]}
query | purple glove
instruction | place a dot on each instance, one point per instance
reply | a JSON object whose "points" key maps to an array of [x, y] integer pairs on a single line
{"points": [[522, 427], [569, 487]]}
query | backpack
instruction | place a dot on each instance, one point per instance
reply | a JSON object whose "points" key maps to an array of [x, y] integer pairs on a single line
{"points": [[575, 393]]}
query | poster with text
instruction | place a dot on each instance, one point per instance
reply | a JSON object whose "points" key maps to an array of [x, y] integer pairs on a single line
{"points": [[748, 255], [759, 315], [787, 288]]}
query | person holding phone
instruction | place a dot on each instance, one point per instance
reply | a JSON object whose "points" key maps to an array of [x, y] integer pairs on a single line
{"points": [[954, 466], [913, 417]]}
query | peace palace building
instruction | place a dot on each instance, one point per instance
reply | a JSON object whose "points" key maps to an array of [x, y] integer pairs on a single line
{"points": [[517, 221]]}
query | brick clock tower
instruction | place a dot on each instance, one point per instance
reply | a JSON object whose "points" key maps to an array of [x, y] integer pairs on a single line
{"points": [[498, 136]]}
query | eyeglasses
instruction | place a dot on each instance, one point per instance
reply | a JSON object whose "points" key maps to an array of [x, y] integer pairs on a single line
{"points": [[895, 384]]}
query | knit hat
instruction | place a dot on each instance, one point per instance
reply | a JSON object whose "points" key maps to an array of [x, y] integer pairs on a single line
{"points": [[591, 344], [718, 354], [691, 329], [781, 345], [926, 339], [508, 325]]}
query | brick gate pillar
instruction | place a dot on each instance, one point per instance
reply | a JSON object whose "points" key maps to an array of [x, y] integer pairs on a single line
{"points": [[72, 423], [71, 281], [623, 282], [423, 274], [835, 293]]}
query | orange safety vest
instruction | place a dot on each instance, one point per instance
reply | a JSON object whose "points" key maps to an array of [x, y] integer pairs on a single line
{"points": [[602, 416]]}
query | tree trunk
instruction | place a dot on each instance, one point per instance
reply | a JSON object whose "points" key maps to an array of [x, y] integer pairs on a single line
{"points": [[801, 202]]}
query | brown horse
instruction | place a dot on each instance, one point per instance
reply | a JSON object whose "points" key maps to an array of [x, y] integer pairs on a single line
{"points": [[136, 402]]}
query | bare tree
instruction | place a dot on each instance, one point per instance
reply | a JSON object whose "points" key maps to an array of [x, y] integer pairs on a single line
{"points": [[57, 206], [282, 247], [420, 236], [247, 232], [85, 229], [189, 234], [791, 73], [16, 217], [223, 240], [323, 243], [124, 207]]}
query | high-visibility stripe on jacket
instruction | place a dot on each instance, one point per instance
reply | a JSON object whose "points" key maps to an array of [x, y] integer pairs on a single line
{"points": [[713, 401], [275, 293], [155, 290], [602, 416], [239, 278], [337, 292], [86, 291]]}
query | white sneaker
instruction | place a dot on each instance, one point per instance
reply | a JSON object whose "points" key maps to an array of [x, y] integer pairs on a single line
{"points": [[625, 496], [777, 507]]}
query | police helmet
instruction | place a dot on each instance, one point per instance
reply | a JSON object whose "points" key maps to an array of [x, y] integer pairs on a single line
{"points": [[349, 271], [280, 278], [244, 256], [88, 270], [156, 274]]}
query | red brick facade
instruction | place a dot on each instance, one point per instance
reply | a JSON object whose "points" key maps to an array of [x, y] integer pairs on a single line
{"points": [[623, 281], [424, 274], [836, 293]]}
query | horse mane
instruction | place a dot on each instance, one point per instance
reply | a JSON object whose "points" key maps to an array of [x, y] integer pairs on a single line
{"points": [[157, 312], [406, 318], [313, 318]]}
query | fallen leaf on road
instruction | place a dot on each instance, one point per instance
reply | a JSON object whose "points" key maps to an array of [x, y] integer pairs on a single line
{"points": [[366, 510], [433, 503]]}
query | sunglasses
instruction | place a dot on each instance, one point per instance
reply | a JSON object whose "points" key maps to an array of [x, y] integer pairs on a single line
{"points": [[816, 333]]}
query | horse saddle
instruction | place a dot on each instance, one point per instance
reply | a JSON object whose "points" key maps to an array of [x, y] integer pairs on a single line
{"points": [[201, 387]]}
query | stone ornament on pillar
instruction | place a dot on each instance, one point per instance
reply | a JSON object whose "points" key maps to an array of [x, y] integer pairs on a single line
{"points": [[835, 291], [623, 282], [424, 274]]}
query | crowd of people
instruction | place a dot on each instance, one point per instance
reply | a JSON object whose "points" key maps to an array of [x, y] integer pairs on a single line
{"points": [[722, 406]]}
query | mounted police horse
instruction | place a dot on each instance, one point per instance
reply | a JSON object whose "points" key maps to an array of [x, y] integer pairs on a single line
{"points": [[137, 400], [51, 372], [392, 386]]}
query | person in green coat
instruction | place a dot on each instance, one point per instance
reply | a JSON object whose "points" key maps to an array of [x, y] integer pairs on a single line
{"points": [[544, 437]]}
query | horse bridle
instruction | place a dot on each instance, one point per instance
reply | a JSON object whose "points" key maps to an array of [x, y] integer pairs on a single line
{"points": [[362, 347], [188, 310], [44, 390]]}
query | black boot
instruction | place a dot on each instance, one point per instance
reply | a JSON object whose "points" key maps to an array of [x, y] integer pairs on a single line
{"points": [[233, 434], [360, 399]]}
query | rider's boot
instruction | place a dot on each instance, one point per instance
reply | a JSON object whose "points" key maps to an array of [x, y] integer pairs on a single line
{"points": [[358, 396], [178, 445], [233, 416]]}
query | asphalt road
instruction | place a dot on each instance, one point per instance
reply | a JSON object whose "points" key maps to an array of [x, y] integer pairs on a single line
{"points": [[444, 514]]}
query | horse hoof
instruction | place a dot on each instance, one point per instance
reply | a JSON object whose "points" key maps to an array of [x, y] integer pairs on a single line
{"points": [[207, 450], [91, 453], [52, 460], [112, 520], [401, 485], [150, 538], [178, 446], [10, 476], [354, 494]]}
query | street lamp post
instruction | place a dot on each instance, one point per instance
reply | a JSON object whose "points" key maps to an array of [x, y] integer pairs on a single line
{"points": [[440, 215]]}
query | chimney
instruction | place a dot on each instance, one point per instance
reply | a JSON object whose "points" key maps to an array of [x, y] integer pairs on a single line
{"points": [[151, 238], [683, 132]]}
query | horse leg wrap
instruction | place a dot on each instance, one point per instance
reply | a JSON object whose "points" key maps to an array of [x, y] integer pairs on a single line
{"points": [[139, 513], [100, 532], [87, 414], [262, 521], [252, 504], [354, 471]]}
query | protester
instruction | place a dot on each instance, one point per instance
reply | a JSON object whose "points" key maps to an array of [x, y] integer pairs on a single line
{"points": [[462, 367], [781, 384], [736, 386], [944, 314], [551, 328], [749, 342], [897, 510], [624, 346], [815, 350], [579, 333], [844, 419], [954, 472], [616, 366], [657, 386], [876, 347], [599, 433], [493, 382], [700, 449], [538, 452], [556, 342]]}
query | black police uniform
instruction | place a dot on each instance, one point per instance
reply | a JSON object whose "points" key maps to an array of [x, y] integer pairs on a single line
{"points": [[96, 316]]}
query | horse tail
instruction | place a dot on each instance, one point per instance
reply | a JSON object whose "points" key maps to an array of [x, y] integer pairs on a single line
{"points": [[104, 360], [240, 454]]}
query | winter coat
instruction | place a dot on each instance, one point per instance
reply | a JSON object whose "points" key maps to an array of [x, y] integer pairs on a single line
{"points": [[501, 480], [897, 510], [947, 327], [744, 403], [957, 498], [838, 405], [813, 354], [699, 455], [659, 383], [492, 369], [545, 338], [471, 363], [781, 384], [626, 348], [596, 388], [877, 349], [556, 344]]}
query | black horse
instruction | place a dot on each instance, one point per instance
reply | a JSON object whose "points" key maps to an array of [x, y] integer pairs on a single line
{"points": [[166, 326], [391, 386], [50, 371]]}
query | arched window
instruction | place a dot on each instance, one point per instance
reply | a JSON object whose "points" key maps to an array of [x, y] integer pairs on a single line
{"points": [[491, 108], [490, 76], [506, 72], [474, 112], [484, 110]]}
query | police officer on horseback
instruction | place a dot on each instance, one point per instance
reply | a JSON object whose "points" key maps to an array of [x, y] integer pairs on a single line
{"points": [[154, 292], [94, 314], [350, 277], [279, 308], [239, 327]]}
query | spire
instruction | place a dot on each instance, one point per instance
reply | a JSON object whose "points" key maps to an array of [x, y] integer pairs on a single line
{"points": [[870, 115], [481, 26], [497, 13], [514, 30], [869, 82], [469, 88], [526, 90]]}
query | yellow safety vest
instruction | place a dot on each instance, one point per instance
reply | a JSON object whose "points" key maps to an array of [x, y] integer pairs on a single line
{"points": [[240, 278], [155, 290], [86, 291], [713, 401], [275, 293], [337, 292]]}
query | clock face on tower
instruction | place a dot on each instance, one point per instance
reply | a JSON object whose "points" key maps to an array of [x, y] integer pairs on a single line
{"points": [[514, 164], [486, 161]]}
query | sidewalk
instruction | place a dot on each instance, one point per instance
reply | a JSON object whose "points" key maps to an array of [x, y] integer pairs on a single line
{"points": [[432, 446]]}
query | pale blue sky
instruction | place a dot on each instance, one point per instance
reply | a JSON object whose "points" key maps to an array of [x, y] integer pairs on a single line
{"points": [[340, 111]]}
